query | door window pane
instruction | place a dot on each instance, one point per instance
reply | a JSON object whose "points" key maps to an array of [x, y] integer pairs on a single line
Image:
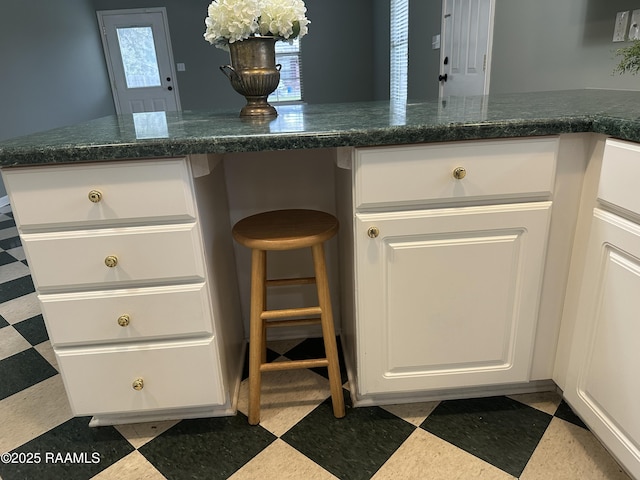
{"points": [[139, 57]]}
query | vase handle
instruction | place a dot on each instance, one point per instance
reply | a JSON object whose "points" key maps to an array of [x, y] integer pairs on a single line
{"points": [[230, 74], [278, 66]]}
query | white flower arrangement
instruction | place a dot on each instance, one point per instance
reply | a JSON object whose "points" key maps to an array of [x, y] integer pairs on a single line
{"points": [[231, 21]]}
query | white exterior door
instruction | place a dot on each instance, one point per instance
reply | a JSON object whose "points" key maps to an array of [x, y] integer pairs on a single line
{"points": [[137, 49], [465, 56]]}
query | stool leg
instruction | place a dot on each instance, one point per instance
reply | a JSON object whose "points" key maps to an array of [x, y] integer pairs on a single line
{"points": [[328, 332], [256, 338]]}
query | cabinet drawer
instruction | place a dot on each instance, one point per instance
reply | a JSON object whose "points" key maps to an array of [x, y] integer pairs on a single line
{"points": [[424, 174], [130, 191], [75, 260], [620, 174], [174, 376], [127, 315]]}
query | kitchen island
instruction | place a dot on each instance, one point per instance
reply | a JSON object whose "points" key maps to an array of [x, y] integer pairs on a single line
{"points": [[466, 227]]}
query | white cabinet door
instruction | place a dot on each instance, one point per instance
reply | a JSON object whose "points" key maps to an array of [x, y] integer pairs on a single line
{"points": [[602, 381], [448, 297]]}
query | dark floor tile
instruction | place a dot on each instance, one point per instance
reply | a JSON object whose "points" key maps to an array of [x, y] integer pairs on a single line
{"points": [[565, 413], [23, 370], [16, 288], [5, 258], [87, 452], [210, 448], [3, 322], [33, 330], [271, 356], [7, 223], [9, 243], [314, 348], [499, 430], [353, 447]]}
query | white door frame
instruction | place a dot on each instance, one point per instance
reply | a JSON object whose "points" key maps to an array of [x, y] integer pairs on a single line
{"points": [[105, 46], [443, 37]]}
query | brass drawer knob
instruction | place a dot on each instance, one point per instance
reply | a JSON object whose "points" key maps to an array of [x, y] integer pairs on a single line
{"points": [[459, 173], [138, 384], [124, 320], [95, 196], [111, 261], [373, 232]]}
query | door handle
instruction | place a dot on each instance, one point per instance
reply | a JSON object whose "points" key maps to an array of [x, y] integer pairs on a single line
{"points": [[443, 78]]}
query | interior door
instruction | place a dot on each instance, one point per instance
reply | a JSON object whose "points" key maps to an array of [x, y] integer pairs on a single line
{"points": [[137, 49], [465, 61]]}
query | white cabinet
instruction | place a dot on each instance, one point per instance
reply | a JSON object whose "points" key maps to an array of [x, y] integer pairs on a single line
{"points": [[447, 296], [128, 262], [602, 379]]}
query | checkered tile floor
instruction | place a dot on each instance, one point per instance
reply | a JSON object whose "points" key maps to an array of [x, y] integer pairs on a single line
{"points": [[524, 436]]}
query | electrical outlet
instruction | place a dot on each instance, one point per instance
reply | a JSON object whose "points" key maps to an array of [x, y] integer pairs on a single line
{"points": [[620, 29], [634, 29], [181, 67]]}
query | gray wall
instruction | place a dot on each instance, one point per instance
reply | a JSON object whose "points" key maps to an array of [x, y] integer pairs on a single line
{"points": [[52, 67], [333, 70], [555, 45]]}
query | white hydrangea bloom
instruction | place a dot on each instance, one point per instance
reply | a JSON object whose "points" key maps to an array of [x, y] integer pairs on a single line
{"points": [[230, 21], [283, 18]]}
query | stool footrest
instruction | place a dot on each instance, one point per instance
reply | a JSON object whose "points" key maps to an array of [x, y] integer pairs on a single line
{"points": [[298, 322], [290, 312], [281, 282], [294, 364]]}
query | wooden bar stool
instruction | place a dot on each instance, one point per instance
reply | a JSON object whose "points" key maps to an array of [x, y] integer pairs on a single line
{"points": [[288, 230]]}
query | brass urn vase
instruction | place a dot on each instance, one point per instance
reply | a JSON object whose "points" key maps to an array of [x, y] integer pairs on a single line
{"points": [[254, 74]]}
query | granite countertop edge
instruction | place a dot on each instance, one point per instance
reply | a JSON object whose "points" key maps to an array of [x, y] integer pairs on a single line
{"points": [[610, 113]]}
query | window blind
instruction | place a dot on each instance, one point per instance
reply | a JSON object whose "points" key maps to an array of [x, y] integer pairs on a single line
{"points": [[399, 62]]}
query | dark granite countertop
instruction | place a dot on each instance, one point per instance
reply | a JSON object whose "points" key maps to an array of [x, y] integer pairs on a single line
{"points": [[615, 113]]}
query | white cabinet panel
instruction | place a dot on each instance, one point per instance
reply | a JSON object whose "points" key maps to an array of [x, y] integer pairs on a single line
{"points": [[448, 298], [174, 376], [419, 174], [151, 313], [131, 192], [144, 254], [602, 382], [620, 174]]}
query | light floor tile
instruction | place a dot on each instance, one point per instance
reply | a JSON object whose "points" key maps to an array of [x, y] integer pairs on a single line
{"points": [[283, 346], [280, 461], [425, 456], [11, 342], [286, 397], [12, 271], [32, 412], [140, 433], [572, 453], [545, 401], [20, 308], [46, 350], [17, 252], [132, 467], [414, 413]]}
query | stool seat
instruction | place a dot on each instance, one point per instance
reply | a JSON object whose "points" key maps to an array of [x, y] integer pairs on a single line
{"points": [[288, 230], [285, 229]]}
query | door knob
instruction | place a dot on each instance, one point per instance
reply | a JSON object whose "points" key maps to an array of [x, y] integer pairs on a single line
{"points": [[443, 78]]}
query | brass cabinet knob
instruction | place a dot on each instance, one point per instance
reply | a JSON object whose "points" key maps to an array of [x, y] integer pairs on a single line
{"points": [[111, 261], [459, 173], [124, 320], [95, 196], [373, 232], [138, 384]]}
